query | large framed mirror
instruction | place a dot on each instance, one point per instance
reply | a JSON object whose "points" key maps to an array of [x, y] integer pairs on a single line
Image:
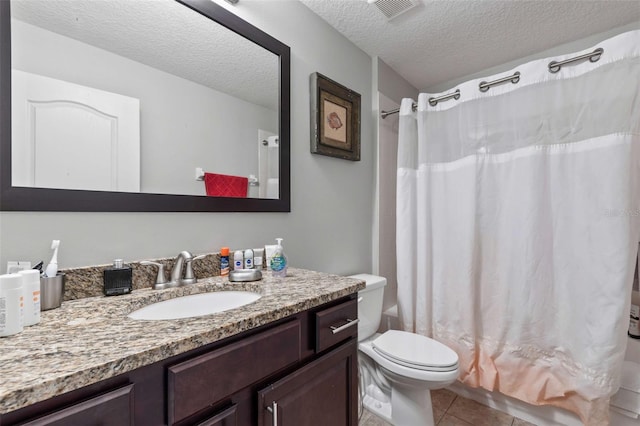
{"points": [[119, 105]]}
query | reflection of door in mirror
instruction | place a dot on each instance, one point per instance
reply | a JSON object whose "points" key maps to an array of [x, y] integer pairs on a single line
{"points": [[203, 91], [268, 164], [72, 136]]}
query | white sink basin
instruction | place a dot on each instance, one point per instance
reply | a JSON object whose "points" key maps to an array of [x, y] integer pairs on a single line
{"points": [[195, 305]]}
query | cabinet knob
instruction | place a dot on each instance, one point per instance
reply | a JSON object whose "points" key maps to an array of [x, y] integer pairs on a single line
{"points": [[274, 412]]}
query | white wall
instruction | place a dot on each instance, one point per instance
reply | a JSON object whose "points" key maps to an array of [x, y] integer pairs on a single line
{"points": [[183, 125], [393, 85], [329, 228]]}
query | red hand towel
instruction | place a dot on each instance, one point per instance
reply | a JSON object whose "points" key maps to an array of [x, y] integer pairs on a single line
{"points": [[225, 185]]}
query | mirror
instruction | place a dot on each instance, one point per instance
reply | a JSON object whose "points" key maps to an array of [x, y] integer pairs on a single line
{"points": [[141, 106]]}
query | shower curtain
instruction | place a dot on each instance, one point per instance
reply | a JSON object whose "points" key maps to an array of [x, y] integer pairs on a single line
{"points": [[517, 226]]}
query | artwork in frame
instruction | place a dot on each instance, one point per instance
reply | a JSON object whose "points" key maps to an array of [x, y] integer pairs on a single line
{"points": [[335, 119]]}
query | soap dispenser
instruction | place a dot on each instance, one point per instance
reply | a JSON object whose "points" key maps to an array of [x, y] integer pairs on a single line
{"points": [[278, 262]]}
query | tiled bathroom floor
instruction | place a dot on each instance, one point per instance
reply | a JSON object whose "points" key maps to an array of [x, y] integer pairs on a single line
{"points": [[450, 409]]}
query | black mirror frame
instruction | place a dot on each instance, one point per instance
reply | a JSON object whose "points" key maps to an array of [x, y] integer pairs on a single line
{"points": [[44, 199]]}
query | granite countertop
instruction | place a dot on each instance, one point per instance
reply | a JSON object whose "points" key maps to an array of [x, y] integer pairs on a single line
{"points": [[91, 339]]}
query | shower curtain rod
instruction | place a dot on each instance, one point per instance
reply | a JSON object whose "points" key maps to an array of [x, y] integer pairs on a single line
{"points": [[484, 86]]}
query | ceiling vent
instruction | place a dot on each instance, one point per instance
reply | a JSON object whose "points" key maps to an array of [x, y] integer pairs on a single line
{"points": [[394, 8]]}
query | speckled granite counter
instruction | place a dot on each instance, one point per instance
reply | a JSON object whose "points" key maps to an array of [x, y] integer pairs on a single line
{"points": [[91, 339]]}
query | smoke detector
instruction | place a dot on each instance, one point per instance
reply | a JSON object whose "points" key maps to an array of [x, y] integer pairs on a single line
{"points": [[394, 8]]}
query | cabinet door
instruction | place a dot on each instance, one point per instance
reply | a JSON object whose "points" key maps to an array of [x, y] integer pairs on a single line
{"points": [[324, 392], [113, 408]]}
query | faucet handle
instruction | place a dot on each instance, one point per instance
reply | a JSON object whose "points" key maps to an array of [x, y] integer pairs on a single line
{"points": [[161, 278], [189, 278]]}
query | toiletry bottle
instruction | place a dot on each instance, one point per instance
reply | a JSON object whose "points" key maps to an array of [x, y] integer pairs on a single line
{"points": [[118, 279], [248, 259], [269, 250], [31, 296], [258, 258], [237, 260], [278, 261], [224, 261], [11, 304]]}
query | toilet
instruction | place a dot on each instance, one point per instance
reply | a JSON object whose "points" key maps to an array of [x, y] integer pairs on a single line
{"points": [[398, 369]]}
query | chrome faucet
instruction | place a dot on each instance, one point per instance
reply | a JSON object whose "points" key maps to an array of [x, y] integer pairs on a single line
{"points": [[176, 271], [183, 258]]}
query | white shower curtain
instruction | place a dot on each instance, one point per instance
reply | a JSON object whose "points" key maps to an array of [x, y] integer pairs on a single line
{"points": [[517, 226]]}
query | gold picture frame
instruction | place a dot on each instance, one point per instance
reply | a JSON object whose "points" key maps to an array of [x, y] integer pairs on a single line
{"points": [[335, 119]]}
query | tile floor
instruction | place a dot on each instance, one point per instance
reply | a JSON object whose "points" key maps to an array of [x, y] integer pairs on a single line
{"points": [[450, 409]]}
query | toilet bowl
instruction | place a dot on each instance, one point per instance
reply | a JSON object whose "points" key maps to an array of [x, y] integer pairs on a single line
{"points": [[398, 369]]}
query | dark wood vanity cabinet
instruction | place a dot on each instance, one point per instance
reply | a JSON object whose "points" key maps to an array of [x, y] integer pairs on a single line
{"points": [[300, 370]]}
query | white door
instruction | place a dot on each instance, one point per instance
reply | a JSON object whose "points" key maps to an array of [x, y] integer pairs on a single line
{"points": [[268, 164], [69, 136]]}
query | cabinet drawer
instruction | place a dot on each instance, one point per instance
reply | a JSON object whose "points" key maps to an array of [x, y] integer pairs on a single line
{"points": [[113, 408], [204, 380], [226, 417], [336, 324]]}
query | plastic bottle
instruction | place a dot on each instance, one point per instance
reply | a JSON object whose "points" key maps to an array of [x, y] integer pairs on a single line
{"points": [[11, 304], [224, 261], [237, 260], [31, 296], [258, 258], [278, 262], [248, 259]]}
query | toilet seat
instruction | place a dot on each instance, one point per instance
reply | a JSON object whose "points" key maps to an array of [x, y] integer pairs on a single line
{"points": [[415, 351]]}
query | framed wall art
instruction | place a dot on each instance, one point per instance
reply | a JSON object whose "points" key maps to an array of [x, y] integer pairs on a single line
{"points": [[335, 119]]}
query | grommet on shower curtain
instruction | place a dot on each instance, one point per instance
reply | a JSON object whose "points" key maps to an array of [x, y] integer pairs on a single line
{"points": [[484, 86], [455, 95], [594, 56]]}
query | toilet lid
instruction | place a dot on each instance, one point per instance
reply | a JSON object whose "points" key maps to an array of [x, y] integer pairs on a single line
{"points": [[415, 351]]}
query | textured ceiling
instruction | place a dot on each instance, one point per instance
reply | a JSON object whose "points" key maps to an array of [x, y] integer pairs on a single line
{"points": [[442, 40], [167, 36]]}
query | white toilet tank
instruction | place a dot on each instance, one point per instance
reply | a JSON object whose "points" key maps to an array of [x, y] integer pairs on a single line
{"points": [[370, 304]]}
